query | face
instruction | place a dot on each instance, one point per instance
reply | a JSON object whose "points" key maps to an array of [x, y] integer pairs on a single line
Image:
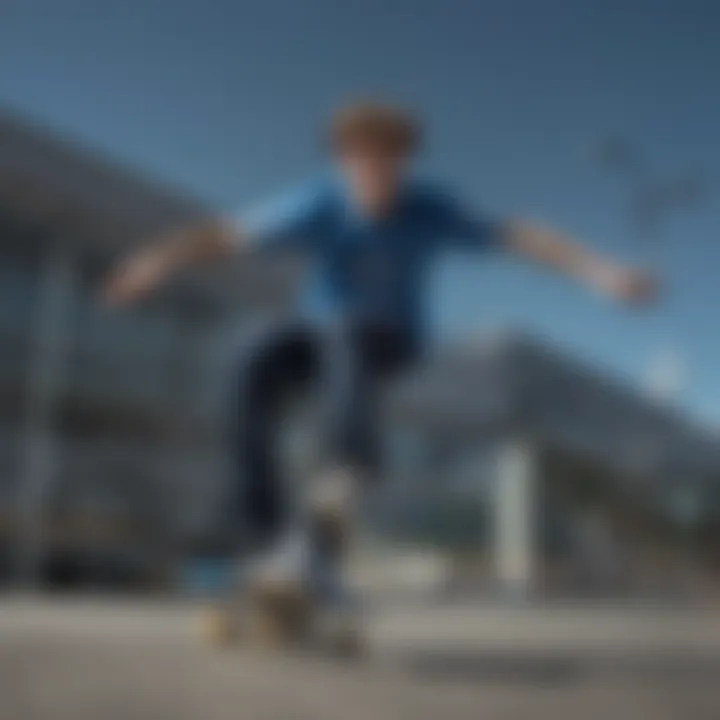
{"points": [[373, 177]]}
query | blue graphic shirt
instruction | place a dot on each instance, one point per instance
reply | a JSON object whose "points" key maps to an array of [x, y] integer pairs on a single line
{"points": [[372, 270]]}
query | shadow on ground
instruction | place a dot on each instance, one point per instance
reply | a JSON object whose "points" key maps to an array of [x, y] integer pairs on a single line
{"points": [[463, 666]]}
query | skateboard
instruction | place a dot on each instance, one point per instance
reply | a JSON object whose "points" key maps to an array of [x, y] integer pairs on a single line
{"points": [[281, 614], [279, 618]]}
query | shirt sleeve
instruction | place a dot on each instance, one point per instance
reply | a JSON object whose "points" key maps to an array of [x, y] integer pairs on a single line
{"points": [[290, 220], [458, 227]]}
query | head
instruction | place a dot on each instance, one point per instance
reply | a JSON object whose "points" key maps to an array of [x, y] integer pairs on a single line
{"points": [[373, 145]]}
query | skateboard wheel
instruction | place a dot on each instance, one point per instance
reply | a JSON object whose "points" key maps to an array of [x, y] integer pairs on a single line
{"points": [[281, 615], [219, 628]]}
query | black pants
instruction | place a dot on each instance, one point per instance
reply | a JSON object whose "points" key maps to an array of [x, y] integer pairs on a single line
{"points": [[346, 364]]}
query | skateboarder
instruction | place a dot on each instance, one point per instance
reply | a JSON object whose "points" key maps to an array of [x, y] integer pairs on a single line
{"points": [[372, 233]]}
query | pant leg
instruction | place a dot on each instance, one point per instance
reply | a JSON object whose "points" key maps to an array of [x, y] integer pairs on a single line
{"points": [[358, 359], [272, 364]]}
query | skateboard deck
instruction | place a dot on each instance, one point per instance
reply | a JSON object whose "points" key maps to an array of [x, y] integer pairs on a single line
{"points": [[278, 619], [281, 612]]}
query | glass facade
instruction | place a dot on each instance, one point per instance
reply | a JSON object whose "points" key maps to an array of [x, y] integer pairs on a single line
{"points": [[119, 412]]}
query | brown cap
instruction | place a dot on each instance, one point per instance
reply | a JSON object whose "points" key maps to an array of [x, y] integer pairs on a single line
{"points": [[374, 125]]}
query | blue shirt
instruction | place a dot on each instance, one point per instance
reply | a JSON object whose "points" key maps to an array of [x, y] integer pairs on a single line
{"points": [[371, 270]]}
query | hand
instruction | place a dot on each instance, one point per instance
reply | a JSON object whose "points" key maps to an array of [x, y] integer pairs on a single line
{"points": [[135, 278], [626, 285]]}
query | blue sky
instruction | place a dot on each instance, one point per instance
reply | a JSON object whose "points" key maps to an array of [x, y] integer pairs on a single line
{"points": [[224, 98]]}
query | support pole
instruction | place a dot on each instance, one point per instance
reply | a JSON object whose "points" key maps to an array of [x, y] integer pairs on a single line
{"points": [[515, 518], [46, 373]]}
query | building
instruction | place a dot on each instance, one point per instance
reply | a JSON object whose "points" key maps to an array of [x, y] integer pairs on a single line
{"points": [[559, 459], [106, 417], [111, 428]]}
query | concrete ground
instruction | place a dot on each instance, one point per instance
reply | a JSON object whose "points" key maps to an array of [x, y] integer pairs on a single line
{"points": [[102, 659]]}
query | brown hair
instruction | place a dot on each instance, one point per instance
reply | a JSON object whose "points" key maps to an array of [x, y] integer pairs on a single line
{"points": [[374, 125]]}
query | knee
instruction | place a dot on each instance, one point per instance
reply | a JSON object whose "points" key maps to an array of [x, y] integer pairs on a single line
{"points": [[269, 358], [246, 382]]}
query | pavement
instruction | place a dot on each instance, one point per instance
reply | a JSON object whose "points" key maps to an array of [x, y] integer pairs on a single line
{"points": [[96, 658]]}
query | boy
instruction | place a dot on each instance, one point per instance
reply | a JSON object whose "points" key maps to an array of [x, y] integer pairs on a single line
{"points": [[373, 233]]}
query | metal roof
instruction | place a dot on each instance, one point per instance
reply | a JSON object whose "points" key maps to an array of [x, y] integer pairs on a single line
{"points": [[47, 176], [516, 380], [53, 187]]}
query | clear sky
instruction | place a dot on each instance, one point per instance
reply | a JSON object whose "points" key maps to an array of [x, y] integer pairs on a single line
{"points": [[224, 98]]}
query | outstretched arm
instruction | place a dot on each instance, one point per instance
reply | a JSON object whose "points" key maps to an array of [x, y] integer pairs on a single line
{"points": [[560, 253], [287, 221], [145, 270]]}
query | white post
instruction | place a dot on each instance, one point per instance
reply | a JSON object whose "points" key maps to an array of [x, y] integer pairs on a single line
{"points": [[51, 341], [515, 516]]}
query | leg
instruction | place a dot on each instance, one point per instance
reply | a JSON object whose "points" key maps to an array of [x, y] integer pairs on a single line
{"points": [[272, 365], [357, 360]]}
